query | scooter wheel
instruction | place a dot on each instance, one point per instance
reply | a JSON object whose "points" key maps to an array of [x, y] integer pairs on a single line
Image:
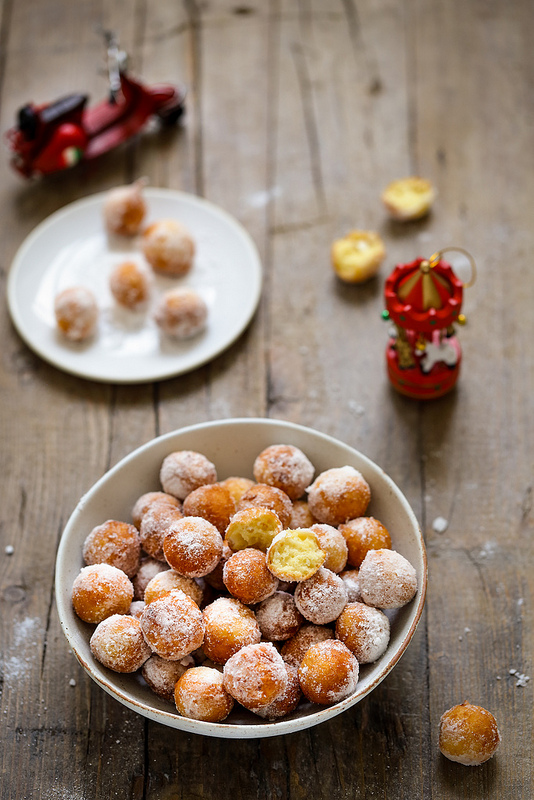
{"points": [[171, 115]]}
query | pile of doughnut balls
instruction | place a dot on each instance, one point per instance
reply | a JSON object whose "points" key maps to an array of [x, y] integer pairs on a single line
{"points": [[168, 249], [258, 592]]}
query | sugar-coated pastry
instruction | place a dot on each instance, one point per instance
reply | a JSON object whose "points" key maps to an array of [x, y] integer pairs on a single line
{"points": [[130, 285], [301, 516], [352, 585], [237, 486], [357, 256], [294, 650], [363, 534], [143, 503], [155, 525], [287, 701], [264, 496], [295, 555], [173, 625], [118, 643], [184, 471], [76, 313], [286, 467], [387, 579], [229, 626], [148, 568], [124, 209], [161, 675], [468, 734], [334, 545], [246, 576], [116, 543], [193, 546], [101, 590], [252, 527], [169, 579], [212, 502], [408, 198], [321, 598], [339, 494], [328, 673], [168, 247], [200, 694], [181, 313], [256, 675], [364, 630], [278, 617]]}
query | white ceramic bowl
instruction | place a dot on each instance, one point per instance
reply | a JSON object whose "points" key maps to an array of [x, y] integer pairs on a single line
{"points": [[233, 445]]}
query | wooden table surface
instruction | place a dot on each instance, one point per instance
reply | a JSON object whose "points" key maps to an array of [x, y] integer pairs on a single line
{"points": [[299, 112]]}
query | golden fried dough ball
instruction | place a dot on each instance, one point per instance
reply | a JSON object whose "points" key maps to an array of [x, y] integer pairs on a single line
{"points": [[173, 625], [387, 579], [193, 546], [200, 694], [76, 313], [339, 494], [118, 643], [246, 576], [286, 467], [168, 247], [124, 209], [256, 675], [408, 198], [468, 734], [364, 534], [365, 631], [116, 543], [229, 625], [334, 545], [184, 471], [212, 502], [101, 590], [357, 256], [328, 673]]}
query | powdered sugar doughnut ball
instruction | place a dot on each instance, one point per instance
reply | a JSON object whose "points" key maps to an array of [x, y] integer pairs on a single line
{"points": [[212, 502], [352, 584], [181, 313], [237, 486], [253, 527], [321, 598], [294, 555], [301, 516], [130, 285], [101, 590], [184, 471], [155, 524], [115, 543], [124, 209], [118, 644], [339, 494], [286, 467], [173, 625], [387, 579], [200, 694], [278, 617], [193, 546], [263, 496], [148, 569], [143, 503], [364, 534], [294, 650], [162, 675], [364, 630], [333, 543], [246, 576], [169, 579], [168, 247], [76, 313], [468, 734], [328, 672], [256, 675], [287, 701], [229, 626]]}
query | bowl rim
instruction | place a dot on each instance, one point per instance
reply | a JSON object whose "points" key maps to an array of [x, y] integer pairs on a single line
{"points": [[221, 729]]}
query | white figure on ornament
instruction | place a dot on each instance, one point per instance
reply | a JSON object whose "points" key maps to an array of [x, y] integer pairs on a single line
{"points": [[434, 353]]}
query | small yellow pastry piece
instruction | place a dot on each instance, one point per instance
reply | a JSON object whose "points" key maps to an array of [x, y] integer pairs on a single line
{"points": [[252, 527], [357, 256], [295, 555], [408, 198]]}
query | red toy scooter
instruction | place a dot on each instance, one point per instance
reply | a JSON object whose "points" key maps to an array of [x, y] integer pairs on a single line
{"points": [[52, 137]]}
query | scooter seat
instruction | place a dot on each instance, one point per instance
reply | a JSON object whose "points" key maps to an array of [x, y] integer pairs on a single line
{"points": [[63, 108]]}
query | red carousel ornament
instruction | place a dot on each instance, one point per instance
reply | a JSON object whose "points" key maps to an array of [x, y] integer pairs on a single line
{"points": [[424, 301]]}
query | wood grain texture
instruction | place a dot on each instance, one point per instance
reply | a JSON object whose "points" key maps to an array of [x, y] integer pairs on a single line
{"points": [[299, 112]]}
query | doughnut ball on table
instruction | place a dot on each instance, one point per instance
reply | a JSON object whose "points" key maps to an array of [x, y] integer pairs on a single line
{"points": [[173, 626], [339, 494], [357, 256], [200, 694], [286, 702], [99, 591], [168, 247], [285, 467], [352, 584], [387, 579], [364, 534], [130, 285], [468, 734], [143, 503], [252, 527], [246, 576], [263, 496], [364, 630], [408, 198], [148, 569], [294, 555], [237, 486], [229, 626], [115, 543], [181, 313], [328, 672], [294, 650], [124, 209], [301, 516], [334, 545], [256, 675], [212, 502], [184, 471], [193, 546], [278, 617], [155, 524], [118, 643], [169, 579], [161, 675], [76, 313], [214, 579], [321, 598]]}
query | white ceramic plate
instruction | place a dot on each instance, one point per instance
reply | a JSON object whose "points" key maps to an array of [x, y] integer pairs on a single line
{"points": [[233, 445], [71, 247]]}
